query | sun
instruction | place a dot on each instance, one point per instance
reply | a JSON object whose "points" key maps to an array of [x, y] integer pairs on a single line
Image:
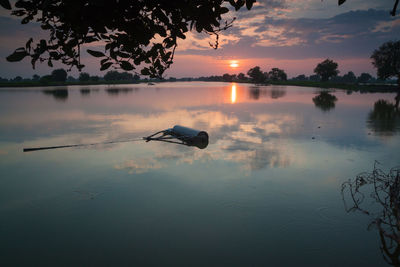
{"points": [[234, 64]]}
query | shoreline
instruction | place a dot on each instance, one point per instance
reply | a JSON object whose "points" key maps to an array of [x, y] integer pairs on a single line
{"points": [[323, 85]]}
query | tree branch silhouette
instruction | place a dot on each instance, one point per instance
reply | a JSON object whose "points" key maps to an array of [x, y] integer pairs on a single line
{"points": [[133, 33], [384, 211]]}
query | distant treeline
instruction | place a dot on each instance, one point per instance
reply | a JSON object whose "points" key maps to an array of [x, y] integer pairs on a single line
{"points": [[325, 72], [58, 76]]}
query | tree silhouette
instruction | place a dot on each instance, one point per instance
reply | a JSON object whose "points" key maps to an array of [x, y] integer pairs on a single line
{"points": [[315, 78], [387, 60], [277, 75], [35, 77], [300, 77], [377, 195], [133, 32], [228, 78], [59, 75], [84, 76], [349, 77], [256, 75], [241, 77], [118, 76], [327, 69], [364, 77]]}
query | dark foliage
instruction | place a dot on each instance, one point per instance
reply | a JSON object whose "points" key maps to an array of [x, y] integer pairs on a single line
{"points": [[315, 78], [327, 69], [84, 76], [228, 77], [349, 77], [387, 60], [377, 195], [257, 75], [300, 77], [119, 76], [133, 32], [364, 78], [59, 75], [277, 75]]}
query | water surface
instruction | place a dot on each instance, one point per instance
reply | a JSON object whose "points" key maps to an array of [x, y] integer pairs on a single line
{"points": [[265, 192]]}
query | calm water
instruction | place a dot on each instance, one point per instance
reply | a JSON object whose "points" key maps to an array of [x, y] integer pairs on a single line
{"points": [[265, 192]]}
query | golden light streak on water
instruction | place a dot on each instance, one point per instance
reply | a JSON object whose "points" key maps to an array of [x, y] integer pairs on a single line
{"points": [[233, 93]]}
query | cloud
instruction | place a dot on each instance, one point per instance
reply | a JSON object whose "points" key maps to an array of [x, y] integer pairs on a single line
{"points": [[140, 165], [351, 34]]}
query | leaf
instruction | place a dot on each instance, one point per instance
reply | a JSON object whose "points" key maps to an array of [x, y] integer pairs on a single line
{"points": [[145, 71], [341, 2], [53, 54], [223, 10], [199, 26], [239, 4], [95, 53], [208, 27], [43, 46], [106, 66], [249, 4], [45, 26], [50, 63], [17, 56], [125, 65], [25, 20], [5, 4], [28, 44], [123, 55], [166, 56]]}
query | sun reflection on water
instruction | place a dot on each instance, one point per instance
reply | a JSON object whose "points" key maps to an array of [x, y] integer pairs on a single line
{"points": [[233, 93]]}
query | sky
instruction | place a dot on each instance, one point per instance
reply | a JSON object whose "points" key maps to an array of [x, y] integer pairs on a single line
{"points": [[294, 35]]}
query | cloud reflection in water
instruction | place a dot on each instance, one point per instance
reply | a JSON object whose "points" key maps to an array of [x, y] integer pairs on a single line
{"points": [[256, 132]]}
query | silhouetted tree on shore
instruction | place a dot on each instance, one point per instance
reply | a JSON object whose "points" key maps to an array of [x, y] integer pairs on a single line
{"points": [[349, 77], [84, 77], [327, 69], [257, 75], [300, 77], [387, 60], [59, 75], [364, 78], [277, 75]]}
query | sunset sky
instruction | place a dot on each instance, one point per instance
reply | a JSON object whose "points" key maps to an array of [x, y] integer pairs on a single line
{"points": [[291, 35]]}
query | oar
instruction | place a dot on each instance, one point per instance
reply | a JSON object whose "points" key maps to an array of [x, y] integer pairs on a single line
{"points": [[30, 149]]}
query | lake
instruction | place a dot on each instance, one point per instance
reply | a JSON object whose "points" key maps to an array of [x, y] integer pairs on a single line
{"points": [[266, 191]]}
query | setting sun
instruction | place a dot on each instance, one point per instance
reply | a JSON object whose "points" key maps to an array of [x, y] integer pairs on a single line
{"points": [[234, 64]]}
